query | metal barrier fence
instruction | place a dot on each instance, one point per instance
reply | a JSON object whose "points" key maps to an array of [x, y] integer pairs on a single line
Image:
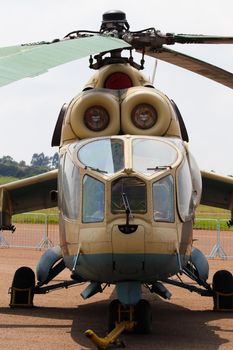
{"points": [[33, 230], [41, 231], [213, 237]]}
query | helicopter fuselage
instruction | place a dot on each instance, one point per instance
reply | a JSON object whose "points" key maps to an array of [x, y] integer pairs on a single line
{"points": [[127, 183], [127, 207]]}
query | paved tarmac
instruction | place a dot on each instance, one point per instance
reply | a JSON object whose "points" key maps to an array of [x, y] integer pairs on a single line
{"points": [[60, 318]]}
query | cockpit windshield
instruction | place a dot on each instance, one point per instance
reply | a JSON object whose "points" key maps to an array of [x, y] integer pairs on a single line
{"points": [[150, 155], [131, 188], [105, 155]]}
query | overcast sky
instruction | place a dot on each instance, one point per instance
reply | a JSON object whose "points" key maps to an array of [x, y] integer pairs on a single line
{"points": [[29, 108]]}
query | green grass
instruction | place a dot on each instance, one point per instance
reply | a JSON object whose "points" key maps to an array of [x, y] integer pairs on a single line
{"points": [[51, 211], [212, 212], [211, 224], [208, 217], [7, 179], [49, 216]]}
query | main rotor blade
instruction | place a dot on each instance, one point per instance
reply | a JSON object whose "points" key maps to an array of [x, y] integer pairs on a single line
{"points": [[202, 39], [18, 62], [194, 65], [155, 39]]}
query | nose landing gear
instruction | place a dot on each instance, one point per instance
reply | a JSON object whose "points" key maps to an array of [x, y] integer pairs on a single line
{"points": [[137, 318], [143, 317]]}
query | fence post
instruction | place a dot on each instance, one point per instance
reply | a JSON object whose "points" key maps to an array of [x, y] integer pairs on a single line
{"points": [[3, 241], [217, 250], [45, 241]]}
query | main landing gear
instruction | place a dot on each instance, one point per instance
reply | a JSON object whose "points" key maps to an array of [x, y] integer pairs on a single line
{"points": [[136, 318], [22, 289], [223, 290]]}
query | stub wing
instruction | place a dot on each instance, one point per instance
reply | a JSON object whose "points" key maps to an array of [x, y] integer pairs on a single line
{"points": [[217, 190], [25, 195]]}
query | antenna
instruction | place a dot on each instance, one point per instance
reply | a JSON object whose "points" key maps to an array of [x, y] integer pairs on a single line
{"points": [[154, 71]]}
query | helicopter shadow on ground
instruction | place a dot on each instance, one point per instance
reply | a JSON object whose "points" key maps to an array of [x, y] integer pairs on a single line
{"points": [[174, 327]]}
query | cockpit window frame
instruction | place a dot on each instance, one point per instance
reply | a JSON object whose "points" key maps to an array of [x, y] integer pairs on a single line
{"points": [[98, 167], [165, 211], [101, 210], [133, 210], [152, 170]]}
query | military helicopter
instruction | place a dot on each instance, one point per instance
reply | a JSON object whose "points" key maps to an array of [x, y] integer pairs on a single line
{"points": [[127, 185]]}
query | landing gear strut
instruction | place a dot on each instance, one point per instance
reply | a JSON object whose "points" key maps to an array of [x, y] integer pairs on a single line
{"points": [[137, 318]]}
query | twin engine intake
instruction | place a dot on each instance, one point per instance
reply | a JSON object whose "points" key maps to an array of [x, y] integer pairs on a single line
{"points": [[117, 100]]}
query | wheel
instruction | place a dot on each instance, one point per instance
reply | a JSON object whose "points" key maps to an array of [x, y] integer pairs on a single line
{"points": [[223, 284], [113, 314], [22, 288], [143, 317]]}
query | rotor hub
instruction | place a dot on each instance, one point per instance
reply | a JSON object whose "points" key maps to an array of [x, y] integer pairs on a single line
{"points": [[114, 20], [114, 16]]}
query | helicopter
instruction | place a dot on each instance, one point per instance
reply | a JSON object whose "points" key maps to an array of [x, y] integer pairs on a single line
{"points": [[127, 186]]}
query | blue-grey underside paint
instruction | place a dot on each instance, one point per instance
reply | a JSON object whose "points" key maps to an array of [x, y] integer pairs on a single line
{"points": [[145, 268]]}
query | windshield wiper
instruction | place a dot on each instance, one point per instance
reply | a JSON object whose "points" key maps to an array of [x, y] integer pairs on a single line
{"points": [[95, 169], [127, 228], [160, 167], [128, 211]]}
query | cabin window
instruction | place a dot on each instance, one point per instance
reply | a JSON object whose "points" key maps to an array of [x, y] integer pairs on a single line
{"points": [[60, 181], [185, 202], [93, 200], [134, 191], [71, 191], [163, 199], [106, 155], [152, 155]]}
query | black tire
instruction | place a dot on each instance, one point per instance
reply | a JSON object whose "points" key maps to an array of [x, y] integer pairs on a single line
{"points": [[223, 282], [24, 277], [22, 289], [113, 314], [143, 317]]}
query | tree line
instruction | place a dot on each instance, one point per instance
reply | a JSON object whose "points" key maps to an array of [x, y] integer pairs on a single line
{"points": [[39, 164]]}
